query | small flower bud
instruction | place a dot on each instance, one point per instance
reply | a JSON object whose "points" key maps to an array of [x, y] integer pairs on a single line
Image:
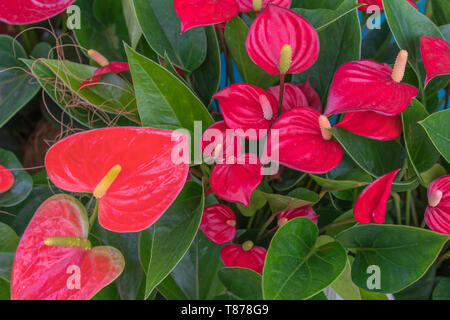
{"points": [[435, 198], [325, 125], [266, 107], [400, 66], [247, 245]]}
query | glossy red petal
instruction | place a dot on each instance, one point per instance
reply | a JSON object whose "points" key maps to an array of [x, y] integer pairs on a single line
{"points": [[43, 272], [293, 96], [371, 203], [366, 85], [436, 57], [276, 27], [31, 11], [6, 179], [372, 125], [301, 144], [236, 182], [148, 183], [219, 223], [195, 13], [379, 3], [113, 67], [305, 211], [219, 143], [243, 111], [233, 255], [311, 95], [247, 5], [437, 214]]}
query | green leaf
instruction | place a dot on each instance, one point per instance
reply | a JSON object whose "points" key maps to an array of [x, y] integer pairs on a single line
{"points": [[205, 80], [103, 28], [6, 264], [442, 290], [163, 100], [367, 295], [8, 239], [163, 245], [340, 42], [197, 273], [344, 285], [421, 152], [332, 185], [440, 11], [5, 289], [433, 173], [16, 86], [22, 180], [298, 264], [322, 18], [375, 157], [235, 37], [402, 253], [134, 29], [112, 94], [257, 201], [345, 223], [408, 25], [170, 290], [161, 27], [296, 198], [437, 128], [242, 283], [83, 113]]}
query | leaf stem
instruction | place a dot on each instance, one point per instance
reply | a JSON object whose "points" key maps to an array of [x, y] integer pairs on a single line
{"points": [[408, 207], [398, 210], [337, 223]]}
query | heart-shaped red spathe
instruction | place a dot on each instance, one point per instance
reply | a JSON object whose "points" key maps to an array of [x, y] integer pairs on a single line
{"points": [[31, 11], [236, 181], [435, 56], [220, 143], [273, 30], [305, 211], [293, 96], [42, 272], [371, 203], [113, 67], [366, 85], [378, 3], [196, 13], [372, 125], [153, 172], [6, 179], [248, 110], [219, 223], [301, 144], [234, 255], [311, 95], [247, 5], [437, 214]]}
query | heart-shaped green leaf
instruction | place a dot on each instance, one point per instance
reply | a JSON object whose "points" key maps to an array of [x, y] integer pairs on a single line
{"points": [[257, 201], [437, 128], [403, 254], [242, 283], [16, 86], [296, 198], [162, 27], [298, 264], [163, 245]]}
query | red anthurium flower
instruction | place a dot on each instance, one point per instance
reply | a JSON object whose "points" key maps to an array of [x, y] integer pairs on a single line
{"points": [[195, 13], [247, 109], [219, 143], [378, 3], [366, 85], [258, 5], [304, 142], [6, 179], [293, 96], [436, 57], [371, 203], [106, 67], [134, 173], [245, 256], [311, 95], [219, 223], [31, 11], [281, 41], [54, 259], [305, 211], [372, 125], [437, 214], [236, 179]]}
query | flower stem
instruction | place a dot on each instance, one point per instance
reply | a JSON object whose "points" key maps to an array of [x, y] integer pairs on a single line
{"points": [[408, 207], [280, 98], [397, 207], [337, 223], [94, 215]]}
